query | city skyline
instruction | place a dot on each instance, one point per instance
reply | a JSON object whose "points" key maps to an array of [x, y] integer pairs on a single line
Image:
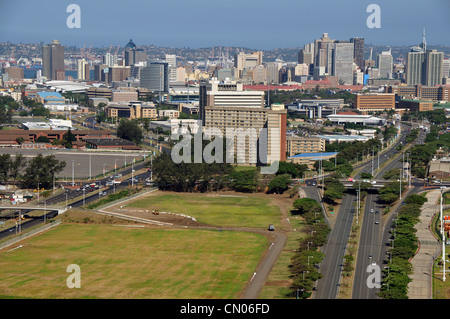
{"points": [[203, 23]]}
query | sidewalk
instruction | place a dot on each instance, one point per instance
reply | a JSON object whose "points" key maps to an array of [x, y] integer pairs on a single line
{"points": [[421, 285]]}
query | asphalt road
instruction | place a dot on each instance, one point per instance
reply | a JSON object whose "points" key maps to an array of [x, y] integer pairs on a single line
{"points": [[335, 249], [374, 240], [73, 193]]}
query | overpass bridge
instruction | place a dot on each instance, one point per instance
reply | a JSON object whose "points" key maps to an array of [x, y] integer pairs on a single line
{"points": [[60, 210]]}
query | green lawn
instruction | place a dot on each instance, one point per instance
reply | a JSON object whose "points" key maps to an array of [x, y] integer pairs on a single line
{"points": [[131, 262], [248, 211]]}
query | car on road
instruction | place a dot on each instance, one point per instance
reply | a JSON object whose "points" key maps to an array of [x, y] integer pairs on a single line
{"points": [[371, 210], [271, 227], [377, 222]]}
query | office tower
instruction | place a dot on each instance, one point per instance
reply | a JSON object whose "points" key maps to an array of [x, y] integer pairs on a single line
{"points": [[433, 67], [358, 52], [116, 73], [446, 68], [81, 69], [340, 61], [110, 59], [52, 60], [305, 57], [414, 67], [321, 51], [133, 54], [385, 64], [243, 61], [272, 72], [225, 106], [155, 77], [424, 68], [171, 60]]}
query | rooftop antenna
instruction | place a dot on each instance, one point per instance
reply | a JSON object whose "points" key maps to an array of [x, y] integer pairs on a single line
{"points": [[424, 42]]}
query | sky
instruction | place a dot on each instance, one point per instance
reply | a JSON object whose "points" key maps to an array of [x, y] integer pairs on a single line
{"points": [[255, 24]]}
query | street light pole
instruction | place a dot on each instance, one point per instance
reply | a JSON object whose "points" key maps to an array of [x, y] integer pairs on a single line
{"points": [[73, 177], [443, 236]]}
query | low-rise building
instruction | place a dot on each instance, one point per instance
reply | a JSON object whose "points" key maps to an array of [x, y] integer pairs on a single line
{"points": [[311, 158], [439, 169], [416, 105], [110, 143], [131, 110], [304, 144], [171, 114], [374, 102]]}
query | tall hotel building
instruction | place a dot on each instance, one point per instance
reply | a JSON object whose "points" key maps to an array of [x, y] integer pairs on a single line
{"points": [[225, 105], [53, 61]]}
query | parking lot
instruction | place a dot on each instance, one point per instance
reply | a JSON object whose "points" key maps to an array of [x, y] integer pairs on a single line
{"points": [[83, 164]]}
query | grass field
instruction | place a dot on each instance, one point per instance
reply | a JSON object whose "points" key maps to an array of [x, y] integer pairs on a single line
{"points": [[246, 211], [131, 262]]}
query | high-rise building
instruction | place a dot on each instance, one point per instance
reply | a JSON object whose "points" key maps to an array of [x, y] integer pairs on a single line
{"points": [[133, 54], [446, 68], [171, 60], [243, 61], [226, 106], [415, 67], [53, 60], [155, 77], [110, 59], [305, 56], [424, 66], [358, 52], [385, 64], [321, 51], [340, 61], [272, 72], [81, 69], [433, 68]]}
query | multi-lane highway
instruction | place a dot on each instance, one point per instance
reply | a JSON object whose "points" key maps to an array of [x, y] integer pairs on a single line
{"points": [[335, 249], [60, 200], [374, 239]]}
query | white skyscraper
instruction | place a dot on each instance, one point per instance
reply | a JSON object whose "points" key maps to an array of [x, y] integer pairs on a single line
{"points": [[81, 69], [171, 60], [385, 64], [110, 59]]}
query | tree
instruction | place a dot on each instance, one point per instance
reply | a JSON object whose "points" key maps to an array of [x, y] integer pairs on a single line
{"points": [[68, 138], [5, 163], [130, 130], [16, 165], [244, 181], [279, 184], [42, 139], [41, 169]]}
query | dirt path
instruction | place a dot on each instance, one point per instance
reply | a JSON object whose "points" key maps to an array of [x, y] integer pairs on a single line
{"points": [[277, 238]]}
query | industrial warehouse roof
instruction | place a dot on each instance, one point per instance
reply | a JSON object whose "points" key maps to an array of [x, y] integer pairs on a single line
{"points": [[344, 137], [67, 86]]}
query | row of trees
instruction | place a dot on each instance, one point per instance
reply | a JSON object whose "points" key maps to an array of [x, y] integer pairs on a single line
{"points": [[349, 151], [303, 266], [39, 171], [404, 245]]}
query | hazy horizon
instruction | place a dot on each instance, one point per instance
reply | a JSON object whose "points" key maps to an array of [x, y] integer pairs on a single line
{"points": [[263, 25]]}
